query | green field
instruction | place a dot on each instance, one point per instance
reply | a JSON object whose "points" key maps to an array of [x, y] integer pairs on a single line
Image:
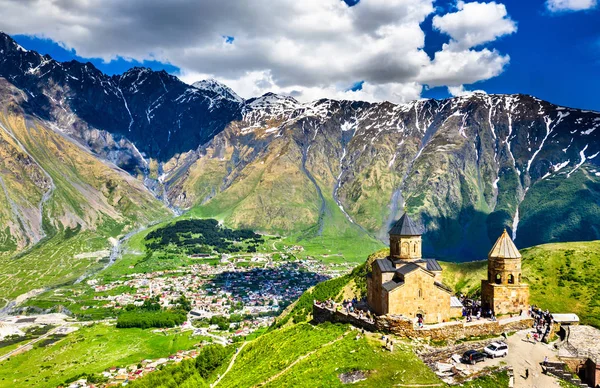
{"points": [[89, 350], [563, 277]]}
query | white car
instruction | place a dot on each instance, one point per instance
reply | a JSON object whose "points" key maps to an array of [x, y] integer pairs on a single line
{"points": [[496, 349]]}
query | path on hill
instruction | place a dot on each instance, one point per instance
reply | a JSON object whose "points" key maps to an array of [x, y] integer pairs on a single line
{"points": [[229, 366], [274, 377], [30, 343]]}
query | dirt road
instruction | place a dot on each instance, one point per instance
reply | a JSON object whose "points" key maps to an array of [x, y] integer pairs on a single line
{"points": [[525, 355]]}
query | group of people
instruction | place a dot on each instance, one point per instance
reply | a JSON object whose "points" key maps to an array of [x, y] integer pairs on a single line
{"points": [[542, 323], [350, 307], [388, 343], [473, 309], [354, 307]]}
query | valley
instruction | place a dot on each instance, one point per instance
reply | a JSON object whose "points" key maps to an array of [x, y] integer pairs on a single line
{"points": [[161, 220]]}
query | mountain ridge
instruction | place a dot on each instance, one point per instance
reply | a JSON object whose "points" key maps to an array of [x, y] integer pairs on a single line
{"points": [[462, 165]]}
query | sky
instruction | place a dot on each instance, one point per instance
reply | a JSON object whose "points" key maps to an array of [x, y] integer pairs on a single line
{"points": [[374, 50]]}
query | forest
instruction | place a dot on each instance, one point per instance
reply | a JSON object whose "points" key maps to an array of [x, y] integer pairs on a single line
{"points": [[150, 314], [202, 236]]}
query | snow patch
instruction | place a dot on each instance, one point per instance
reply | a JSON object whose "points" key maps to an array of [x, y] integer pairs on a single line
{"points": [[583, 159]]}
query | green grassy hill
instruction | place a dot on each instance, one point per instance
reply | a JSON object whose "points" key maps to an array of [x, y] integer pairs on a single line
{"points": [[311, 356], [563, 277]]}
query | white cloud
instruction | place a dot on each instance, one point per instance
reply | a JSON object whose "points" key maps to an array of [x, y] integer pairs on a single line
{"points": [[475, 24], [311, 48], [570, 5], [458, 91]]}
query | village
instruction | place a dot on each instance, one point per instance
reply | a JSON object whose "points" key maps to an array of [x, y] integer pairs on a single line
{"points": [[257, 292]]}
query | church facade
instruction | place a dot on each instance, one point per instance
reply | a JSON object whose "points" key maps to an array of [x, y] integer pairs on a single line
{"points": [[503, 290], [406, 284]]}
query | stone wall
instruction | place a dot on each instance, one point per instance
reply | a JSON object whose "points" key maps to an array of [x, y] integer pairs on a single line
{"points": [[505, 298], [404, 327], [323, 314]]}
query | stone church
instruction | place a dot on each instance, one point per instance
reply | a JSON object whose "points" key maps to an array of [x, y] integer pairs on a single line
{"points": [[503, 291], [406, 284]]}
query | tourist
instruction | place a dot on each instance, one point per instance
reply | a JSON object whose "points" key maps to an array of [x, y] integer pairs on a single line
{"points": [[391, 347], [545, 360]]}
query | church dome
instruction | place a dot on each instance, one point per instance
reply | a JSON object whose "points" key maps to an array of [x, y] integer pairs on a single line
{"points": [[405, 226], [504, 248]]}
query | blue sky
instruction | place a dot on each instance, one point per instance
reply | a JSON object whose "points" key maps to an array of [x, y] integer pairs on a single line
{"points": [[553, 55]]}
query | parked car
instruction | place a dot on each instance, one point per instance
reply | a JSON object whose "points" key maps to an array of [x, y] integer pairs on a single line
{"points": [[473, 356], [496, 349]]}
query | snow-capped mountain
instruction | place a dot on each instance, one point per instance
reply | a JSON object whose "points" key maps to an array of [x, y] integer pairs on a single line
{"points": [[158, 113], [466, 167], [214, 86]]}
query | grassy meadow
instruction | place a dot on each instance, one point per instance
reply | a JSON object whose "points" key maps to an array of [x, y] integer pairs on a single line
{"points": [[562, 277], [91, 349], [323, 351]]}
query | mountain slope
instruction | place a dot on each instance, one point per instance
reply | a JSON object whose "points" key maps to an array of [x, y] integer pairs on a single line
{"points": [[157, 112], [58, 195], [463, 166]]}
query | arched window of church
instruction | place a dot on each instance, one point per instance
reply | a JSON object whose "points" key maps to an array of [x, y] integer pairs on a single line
{"points": [[498, 279], [420, 293], [414, 248], [405, 249], [511, 279]]}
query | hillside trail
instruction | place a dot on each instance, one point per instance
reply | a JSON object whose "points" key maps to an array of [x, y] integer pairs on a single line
{"points": [[276, 376], [29, 345], [229, 366]]}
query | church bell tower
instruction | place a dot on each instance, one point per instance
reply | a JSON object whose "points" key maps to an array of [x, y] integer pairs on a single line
{"points": [[503, 290]]}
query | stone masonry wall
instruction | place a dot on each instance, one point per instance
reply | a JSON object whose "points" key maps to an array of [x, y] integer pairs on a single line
{"points": [[419, 295], [404, 327]]}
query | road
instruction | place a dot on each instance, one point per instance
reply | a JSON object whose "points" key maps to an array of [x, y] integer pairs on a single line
{"points": [[30, 343], [524, 355]]}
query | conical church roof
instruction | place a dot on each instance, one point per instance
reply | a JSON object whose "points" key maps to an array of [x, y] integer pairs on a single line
{"points": [[504, 248], [405, 227]]}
